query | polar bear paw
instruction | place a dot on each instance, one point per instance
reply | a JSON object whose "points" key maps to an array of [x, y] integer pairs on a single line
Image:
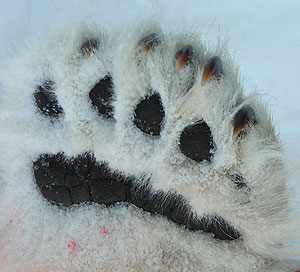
{"points": [[152, 120]]}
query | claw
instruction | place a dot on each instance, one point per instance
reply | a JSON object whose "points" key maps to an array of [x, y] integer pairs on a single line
{"points": [[149, 41], [213, 69], [89, 47], [245, 117], [183, 56]]}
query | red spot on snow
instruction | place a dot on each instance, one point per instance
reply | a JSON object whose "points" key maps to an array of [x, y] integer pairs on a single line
{"points": [[10, 221], [178, 54], [104, 230], [33, 267], [242, 240], [72, 245]]}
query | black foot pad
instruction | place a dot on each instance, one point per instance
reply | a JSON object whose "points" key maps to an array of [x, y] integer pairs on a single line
{"points": [[149, 115], [65, 182], [196, 142], [102, 96], [46, 100]]}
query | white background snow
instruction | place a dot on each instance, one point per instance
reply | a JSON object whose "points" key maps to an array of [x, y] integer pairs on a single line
{"points": [[264, 37]]}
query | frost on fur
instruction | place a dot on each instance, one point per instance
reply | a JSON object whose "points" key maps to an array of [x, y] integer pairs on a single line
{"points": [[138, 151]]}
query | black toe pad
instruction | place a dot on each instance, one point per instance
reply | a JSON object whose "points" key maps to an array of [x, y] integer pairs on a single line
{"points": [[46, 100], [102, 96], [149, 115], [196, 142]]}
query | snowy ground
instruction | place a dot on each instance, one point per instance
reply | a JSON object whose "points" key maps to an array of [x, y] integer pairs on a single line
{"points": [[264, 38]]}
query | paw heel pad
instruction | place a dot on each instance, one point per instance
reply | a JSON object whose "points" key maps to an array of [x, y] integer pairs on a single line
{"points": [[196, 142], [102, 97], [149, 115], [46, 100], [66, 182], [99, 184]]}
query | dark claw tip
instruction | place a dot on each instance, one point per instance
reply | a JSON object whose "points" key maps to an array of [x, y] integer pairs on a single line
{"points": [[183, 56], [149, 42], [244, 118], [90, 47], [213, 69]]}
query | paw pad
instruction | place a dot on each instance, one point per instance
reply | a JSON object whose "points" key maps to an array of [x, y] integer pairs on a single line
{"points": [[196, 142], [102, 96], [46, 100], [149, 115], [65, 182]]}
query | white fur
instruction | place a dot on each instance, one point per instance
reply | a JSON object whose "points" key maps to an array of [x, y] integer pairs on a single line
{"points": [[37, 238]]}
